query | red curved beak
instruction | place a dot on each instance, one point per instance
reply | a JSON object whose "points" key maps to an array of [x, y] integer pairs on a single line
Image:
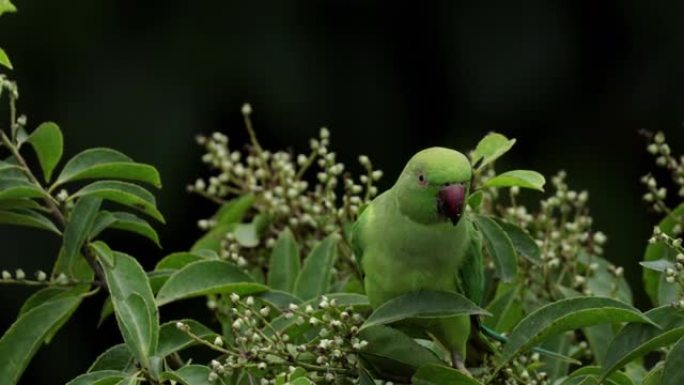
{"points": [[450, 200]]}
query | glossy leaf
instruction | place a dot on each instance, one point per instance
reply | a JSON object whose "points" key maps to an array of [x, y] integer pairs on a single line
{"points": [[637, 339], [284, 264], [103, 252], [659, 265], [391, 350], [22, 340], [105, 163], [176, 261], [134, 224], [192, 375], [564, 315], [499, 246], [506, 308], [490, 148], [6, 6], [101, 377], [654, 377], [523, 242], [24, 217], [674, 363], [314, 278], [433, 374], [172, 340], [422, 304], [127, 194], [249, 234], [207, 277], [4, 59], [48, 143], [475, 200], [234, 210], [212, 240], [14, 188], [518, 178], [79, 224], [117, 357], [279, 299], [617, 378], [134, 307]]}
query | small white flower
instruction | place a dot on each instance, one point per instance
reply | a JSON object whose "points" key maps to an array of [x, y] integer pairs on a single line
{"points": [[246, 109], [20, 274], [234, 297], [218, 341]]}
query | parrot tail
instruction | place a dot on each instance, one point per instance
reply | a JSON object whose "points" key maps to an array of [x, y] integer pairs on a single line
{"points": [[498, 337]]}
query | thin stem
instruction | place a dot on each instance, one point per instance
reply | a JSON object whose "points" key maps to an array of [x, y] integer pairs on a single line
{"points": [[252, 134]]}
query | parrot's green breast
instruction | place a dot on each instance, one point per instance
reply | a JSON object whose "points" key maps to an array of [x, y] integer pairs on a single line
{"points": [[400, 255]]}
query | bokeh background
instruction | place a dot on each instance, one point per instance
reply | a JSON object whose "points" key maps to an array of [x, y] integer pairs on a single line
{"points": [[572, 81]]}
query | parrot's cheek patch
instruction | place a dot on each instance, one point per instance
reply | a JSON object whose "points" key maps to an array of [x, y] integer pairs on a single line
{"points": [[450, 201]]}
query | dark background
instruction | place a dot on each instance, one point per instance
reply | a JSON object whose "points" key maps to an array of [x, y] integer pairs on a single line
{"points": [[573, 81]]}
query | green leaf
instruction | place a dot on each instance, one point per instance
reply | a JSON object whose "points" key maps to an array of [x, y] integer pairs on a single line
{"points": [[284, 264], [490, 148], [22, 340], [134, 224], [7, 6], [602, 281], [123, 193], [102, 377], [24, 217], [499, 246], [234, 210], [192, 375], [79, 224], [617, 378], [672, 372], [523, 242], [177, 261], [172, 340], [48, 143], [248, 234], [314, 278], [4, 59], [207, 277], [390, 350], [506, 308], [134, 306], [279, 299], [105, 163], [519, 178], [117, 357], [433, 374], [659, 265], [10, 204], [654, 280], [637, 339], [422, 304], [212, 240], [103, 252], [654, 377], [564, 315], [18, 189], [475, 200]]}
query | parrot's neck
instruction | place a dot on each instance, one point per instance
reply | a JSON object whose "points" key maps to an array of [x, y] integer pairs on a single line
{"points": [[419, 208]]}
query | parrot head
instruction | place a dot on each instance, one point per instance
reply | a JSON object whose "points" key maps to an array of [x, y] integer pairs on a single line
{"points": [[434, 185]]}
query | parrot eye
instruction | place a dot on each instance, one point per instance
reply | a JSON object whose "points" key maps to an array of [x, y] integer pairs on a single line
{"points": [[422, 180]]}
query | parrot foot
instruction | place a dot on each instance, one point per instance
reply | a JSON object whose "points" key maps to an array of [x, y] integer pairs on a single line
{"points": [[457, 363]]}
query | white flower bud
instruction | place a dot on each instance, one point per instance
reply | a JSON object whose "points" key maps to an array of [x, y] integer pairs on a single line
{"points": [[246, 109], [20, 274], [41, 276], [234, 297], [213, 376], [363, 159], [218, 341], [250, 301]]}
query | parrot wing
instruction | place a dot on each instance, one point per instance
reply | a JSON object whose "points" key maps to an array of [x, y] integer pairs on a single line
{"points": [[471, 273], [357, 237]]}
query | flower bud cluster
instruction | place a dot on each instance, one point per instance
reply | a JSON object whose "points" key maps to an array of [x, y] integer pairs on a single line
{"points": [[526, 369], [656, 194], [267, 351], [309, 193]]}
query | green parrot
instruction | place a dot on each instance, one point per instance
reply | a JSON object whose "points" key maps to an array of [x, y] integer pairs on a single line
{"points": [[412, 238]]}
